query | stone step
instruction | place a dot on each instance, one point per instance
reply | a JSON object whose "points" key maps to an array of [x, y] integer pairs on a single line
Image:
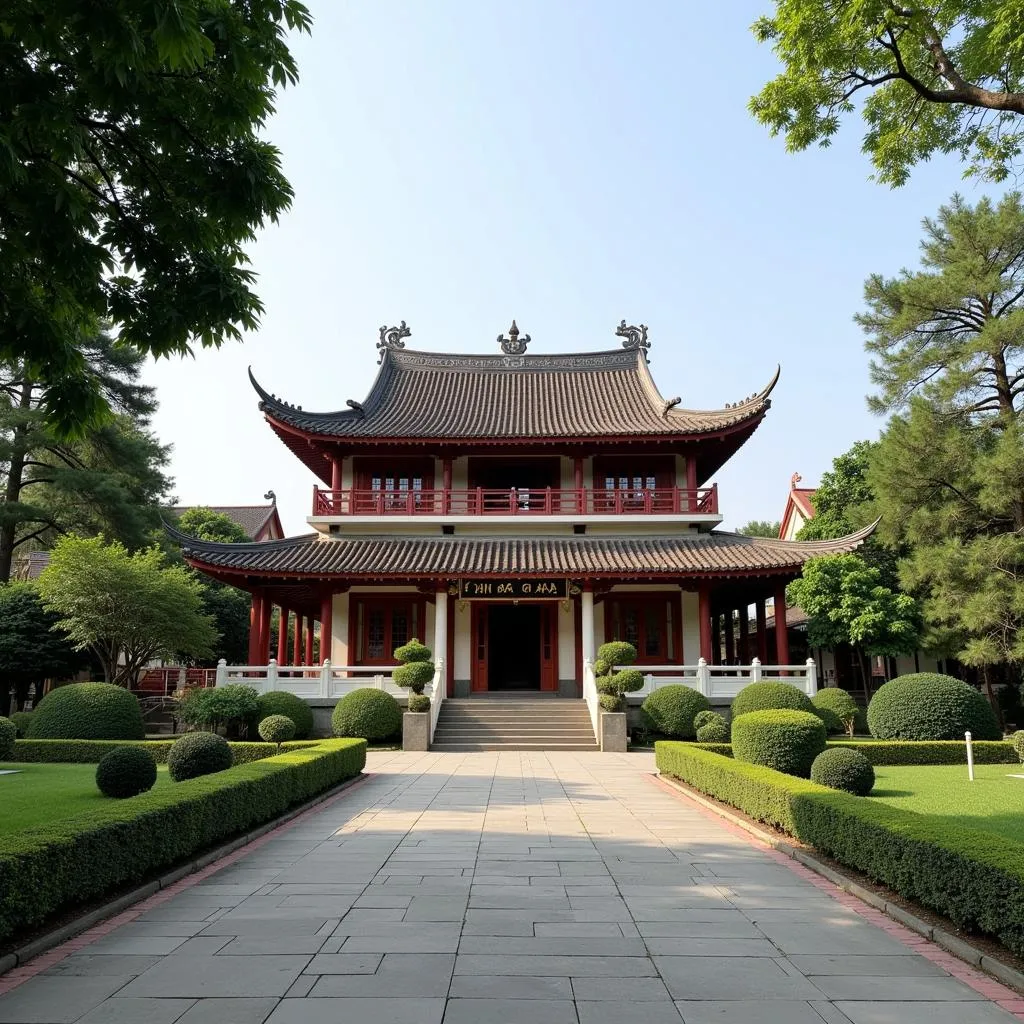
{"points": [[539, 747], [469, 724]]}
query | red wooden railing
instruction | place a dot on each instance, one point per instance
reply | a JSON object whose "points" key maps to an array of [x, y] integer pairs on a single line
{"points": [[545, 501]]}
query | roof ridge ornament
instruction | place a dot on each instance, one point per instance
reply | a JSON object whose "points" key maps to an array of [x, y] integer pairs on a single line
{"points": [[634, 337], [391, 338], [511, 345]]}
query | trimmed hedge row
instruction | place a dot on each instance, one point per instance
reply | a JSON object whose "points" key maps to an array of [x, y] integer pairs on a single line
{"points": [[90, 751], [897, 752], [974, 878], [47, 869]]}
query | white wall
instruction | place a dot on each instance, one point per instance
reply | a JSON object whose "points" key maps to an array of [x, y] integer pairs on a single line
{"points": [[691, 627], [566, 668], [339, 629], [463, 640]]}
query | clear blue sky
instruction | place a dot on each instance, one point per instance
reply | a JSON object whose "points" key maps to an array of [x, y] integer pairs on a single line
{"points": [[567, 163]]}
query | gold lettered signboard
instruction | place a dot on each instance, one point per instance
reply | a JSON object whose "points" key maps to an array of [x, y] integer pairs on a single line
{"points": [[513, 589]]}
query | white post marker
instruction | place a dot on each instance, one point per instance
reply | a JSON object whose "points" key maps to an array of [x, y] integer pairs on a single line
{"points": [[970, 756]]}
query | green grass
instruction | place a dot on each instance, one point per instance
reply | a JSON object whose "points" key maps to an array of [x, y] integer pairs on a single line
{"points": [[994, 802], [43, 793]]}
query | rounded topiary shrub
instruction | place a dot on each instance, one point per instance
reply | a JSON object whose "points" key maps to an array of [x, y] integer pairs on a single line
{"points": [[672, 710], [610, 702], [616, 652], [703, 717], [929, 706], [413, 676], [277, 729], [412, 651], [715, 730], [770, 697], [88, 711], [785, 740], [126, 771], [1017, 739], [418, 703], [842, 768], [367, 713], [8, 734], [836, 708], [198, 753], [277, 702], [21, 720]]}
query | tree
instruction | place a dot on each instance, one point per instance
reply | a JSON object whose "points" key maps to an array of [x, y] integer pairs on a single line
{"points": [[931, 76], [110, 480], [847, 602], [228, 606], [126, 608], [133, 176], [842, 502], [32, 647], [760, 528]]}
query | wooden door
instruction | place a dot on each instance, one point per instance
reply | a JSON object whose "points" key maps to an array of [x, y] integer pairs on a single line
{"points": [[549, 646], [478, 655]]}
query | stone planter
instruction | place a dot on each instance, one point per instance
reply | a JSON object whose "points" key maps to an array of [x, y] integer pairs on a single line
{"points": [[613, 732], [415, 730]]}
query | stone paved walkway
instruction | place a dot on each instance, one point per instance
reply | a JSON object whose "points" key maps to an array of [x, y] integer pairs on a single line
{"points": [[506, 888]]}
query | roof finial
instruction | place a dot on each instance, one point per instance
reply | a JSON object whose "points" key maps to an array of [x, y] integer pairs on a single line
{"points": [[635, 338], [794, 480], [391, 337], [271, 497], [511, 345]]}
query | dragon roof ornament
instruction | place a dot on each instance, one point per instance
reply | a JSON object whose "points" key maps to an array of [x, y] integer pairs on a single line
{"points": [[391, 338]]}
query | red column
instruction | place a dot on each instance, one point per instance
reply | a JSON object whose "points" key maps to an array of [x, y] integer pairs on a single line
{"points": [[691, 473], [265, 610], [336, 473], [309, 641], [762, 630], [297, 641], [446, 483], [730, 638], [744, 647], [282, 636], [577, 480], [326, 615], [449, 654], [781, 633], [704, 618], [255, 615]]}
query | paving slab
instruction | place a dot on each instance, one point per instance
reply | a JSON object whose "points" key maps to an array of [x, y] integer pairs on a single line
{"points": [[46, 999], [137, 1011]]}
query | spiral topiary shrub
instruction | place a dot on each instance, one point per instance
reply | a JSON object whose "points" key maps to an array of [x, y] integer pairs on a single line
{"points": [[414, 650], [609, 702], [930, 706], [672, 711], [418, 702], [783, 739], [612, 683], [367, 713], [8, 734], [415, 671], [21, 720], [714, 730], [837, 709], [87, 711], [198, 753], [842, 768], [615, 652], [1018, 743], [125, 772], [277, 729], [770, 697], [278, 702]]}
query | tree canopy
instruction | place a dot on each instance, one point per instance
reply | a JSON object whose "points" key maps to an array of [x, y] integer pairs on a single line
{"points": [[843, 499], [133, 176], [760, 528], [926, 76], [204, 523], [128, 609]]}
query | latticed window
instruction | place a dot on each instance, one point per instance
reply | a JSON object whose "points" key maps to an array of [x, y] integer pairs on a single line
{"points": [[648, 622], [379, 625]]}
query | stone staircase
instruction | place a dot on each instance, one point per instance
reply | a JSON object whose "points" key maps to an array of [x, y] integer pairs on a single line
{"points": [[513, 723]]}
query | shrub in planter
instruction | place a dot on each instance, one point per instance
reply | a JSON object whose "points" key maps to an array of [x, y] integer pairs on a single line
{"points": [[770, 697], [842, 768], [367, 713], [278, 702], [612, 683], [230, 707], [714, 730], [415, 671], [198, 753], [1018, 743], [8, 734], [837, 709], [609, 702], [87, 711], [672, 711], [419, 702], [781, 738], [125, 772], [277, 729], [21, 720], [930, 706]]}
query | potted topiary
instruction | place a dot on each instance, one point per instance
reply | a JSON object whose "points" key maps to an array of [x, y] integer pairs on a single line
{"points": [[612, 686], [413, 674]]}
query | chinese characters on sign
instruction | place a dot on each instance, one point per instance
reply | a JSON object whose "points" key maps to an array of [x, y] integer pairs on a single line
{"points": [[516, 590]]}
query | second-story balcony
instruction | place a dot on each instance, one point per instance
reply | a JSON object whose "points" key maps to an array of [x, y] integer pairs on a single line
{"points": [[518, 501]]}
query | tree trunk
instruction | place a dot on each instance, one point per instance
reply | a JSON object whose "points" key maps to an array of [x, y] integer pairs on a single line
{"points": [[1007, 413], [991, 695], [864, 677], [15, 480]]}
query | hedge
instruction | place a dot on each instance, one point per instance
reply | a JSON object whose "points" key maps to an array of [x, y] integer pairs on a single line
{"points": [[974, 878], [897, 752], [90, 751], [47, 869]]}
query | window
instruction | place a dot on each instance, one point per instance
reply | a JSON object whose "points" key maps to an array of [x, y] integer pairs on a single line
{"points": [[393, 485], [380, 624], [642, 484], [647, 621]]}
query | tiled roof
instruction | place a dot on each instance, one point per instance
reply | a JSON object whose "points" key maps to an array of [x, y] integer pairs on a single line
{"points": [[251, 518], [422, 395], [703, 554], [29, 566]]}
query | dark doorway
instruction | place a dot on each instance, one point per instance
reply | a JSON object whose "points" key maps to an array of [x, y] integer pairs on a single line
{"points": [[513, 640], [524, 474]]}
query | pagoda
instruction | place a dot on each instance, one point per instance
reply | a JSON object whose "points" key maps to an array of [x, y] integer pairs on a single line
{"points": [[516, 510]]}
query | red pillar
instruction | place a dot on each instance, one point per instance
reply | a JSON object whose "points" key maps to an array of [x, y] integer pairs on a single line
{"points": [[691, 473], [762, 631], [265, 611], [336, 473], [282, 636], [446, 483], [326, 615], [297, 641], [577, 482], [744, 650], [255, 615], [704, 618], [730, 638], [309, 641], [781, 633]]}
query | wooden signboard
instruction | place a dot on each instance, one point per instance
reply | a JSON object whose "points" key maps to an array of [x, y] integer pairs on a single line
{"points": [[513, 589]]}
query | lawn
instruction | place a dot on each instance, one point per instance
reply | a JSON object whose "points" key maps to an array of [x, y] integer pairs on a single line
{"points": [[993, 802], [43, 793]]}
